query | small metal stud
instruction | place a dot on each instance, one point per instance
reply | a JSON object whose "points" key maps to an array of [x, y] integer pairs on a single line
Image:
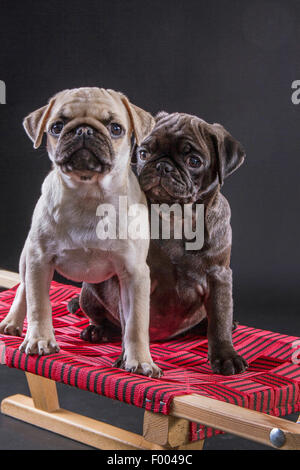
{"points": [[277, 437]]}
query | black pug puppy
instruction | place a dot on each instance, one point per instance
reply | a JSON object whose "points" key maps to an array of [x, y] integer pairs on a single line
{"points": [[185, 161]]}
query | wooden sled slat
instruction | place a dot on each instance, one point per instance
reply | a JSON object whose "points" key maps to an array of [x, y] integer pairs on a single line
{"points": [[43, 410], [75, 426], [8, 279], [236, 420]]}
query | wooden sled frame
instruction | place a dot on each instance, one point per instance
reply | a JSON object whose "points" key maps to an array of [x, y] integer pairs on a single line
{"points": [[160, 432]]}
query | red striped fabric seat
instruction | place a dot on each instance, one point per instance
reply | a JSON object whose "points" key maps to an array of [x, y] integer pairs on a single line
{"points": [[271, 384]]}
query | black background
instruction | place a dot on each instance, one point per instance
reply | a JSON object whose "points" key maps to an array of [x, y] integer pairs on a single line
{"points": [[227, 61]]}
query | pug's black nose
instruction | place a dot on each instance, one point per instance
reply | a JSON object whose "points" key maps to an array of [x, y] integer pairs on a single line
{"points": [[84, 130], [164, 167]]}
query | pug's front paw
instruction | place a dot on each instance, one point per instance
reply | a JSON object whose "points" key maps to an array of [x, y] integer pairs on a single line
{"points": [[135, 366], [42, 345], [227, 362], [150, 369]]}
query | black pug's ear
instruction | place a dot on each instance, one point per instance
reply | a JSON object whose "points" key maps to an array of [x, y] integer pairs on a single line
{"points": [[160, 115], [142, 121], [229, 152]]}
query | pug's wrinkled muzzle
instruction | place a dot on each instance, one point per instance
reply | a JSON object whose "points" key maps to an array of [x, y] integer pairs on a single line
{"points": [[83, 151], [82, 160]]}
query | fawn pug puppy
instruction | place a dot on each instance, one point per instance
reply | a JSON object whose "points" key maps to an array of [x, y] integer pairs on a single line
{"points": [[89, 134], [184, 160]]}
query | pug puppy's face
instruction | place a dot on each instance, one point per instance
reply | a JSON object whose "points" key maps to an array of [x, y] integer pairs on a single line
{"points": [[184, 158], [88, 130]]}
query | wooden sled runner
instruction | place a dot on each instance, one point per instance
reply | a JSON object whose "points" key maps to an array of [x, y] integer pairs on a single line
{"points": [[161, 431]]}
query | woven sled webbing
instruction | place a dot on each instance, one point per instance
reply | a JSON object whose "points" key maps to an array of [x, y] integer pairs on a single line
{"points": [[271, 384]]}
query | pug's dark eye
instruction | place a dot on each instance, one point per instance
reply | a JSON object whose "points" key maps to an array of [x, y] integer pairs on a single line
{"points": [[143, 154], [56, 128], [194, 162], [115, 129]]}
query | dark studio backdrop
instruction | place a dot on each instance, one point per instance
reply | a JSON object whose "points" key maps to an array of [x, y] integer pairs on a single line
{"points": [[227, 61]]}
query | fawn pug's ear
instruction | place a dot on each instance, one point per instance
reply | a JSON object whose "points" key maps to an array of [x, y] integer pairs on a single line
{"points": [[229, 152], [157, 118], [142, 122], [35, 123]]}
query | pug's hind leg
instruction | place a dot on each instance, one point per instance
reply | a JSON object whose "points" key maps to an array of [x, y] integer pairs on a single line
{"points": [[100, 328], [14, 320], [104, 333]]}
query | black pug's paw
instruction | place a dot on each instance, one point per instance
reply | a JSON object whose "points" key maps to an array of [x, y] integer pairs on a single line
{"points": [[227, 362], [93, 334], [106, 332]]}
